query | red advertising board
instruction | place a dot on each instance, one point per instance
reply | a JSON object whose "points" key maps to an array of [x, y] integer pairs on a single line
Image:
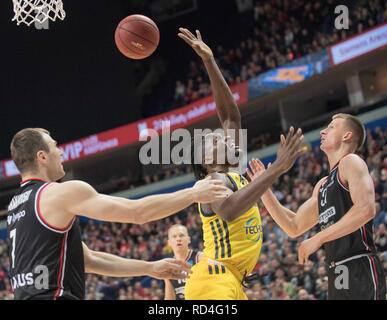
{"points": [[192, 113], [130, 133]]}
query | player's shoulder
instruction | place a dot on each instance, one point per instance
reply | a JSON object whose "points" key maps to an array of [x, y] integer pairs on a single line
{"points": [[196, 252], [351, 162], [197, 255], [72, 188], [351, 158], [321, 181], [319, 184]]}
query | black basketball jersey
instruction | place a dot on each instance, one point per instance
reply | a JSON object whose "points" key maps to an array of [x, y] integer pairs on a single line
{"points": [[334, 201], [45, 262], [179, 285]]}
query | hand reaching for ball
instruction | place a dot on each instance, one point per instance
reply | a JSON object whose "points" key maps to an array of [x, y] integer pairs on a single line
{"points": [[196, 43]]}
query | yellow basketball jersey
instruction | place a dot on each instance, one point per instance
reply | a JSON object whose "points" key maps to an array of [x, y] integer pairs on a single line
{"points": [[237, 244]]}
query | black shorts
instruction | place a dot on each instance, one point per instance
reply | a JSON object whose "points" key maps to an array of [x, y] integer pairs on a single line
{"points": [[358, 279]]}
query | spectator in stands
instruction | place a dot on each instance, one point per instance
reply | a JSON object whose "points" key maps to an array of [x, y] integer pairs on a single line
{"points": [[179, 93], [147, 179], [295, 275], [277, 290], [110, 290], [381, 237], [303, 295], [277, 28], [321, 291], [309, 277]]}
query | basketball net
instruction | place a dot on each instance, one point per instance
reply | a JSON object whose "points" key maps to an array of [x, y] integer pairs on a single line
{"points": [[30, 11]]}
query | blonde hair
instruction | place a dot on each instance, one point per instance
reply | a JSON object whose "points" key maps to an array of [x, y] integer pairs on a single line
{"points": [[176, 226], [355, 126]]}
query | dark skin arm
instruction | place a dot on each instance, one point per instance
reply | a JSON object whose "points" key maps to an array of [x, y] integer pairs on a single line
{"points": [[226, 107], [228, 112], [242, 200]]}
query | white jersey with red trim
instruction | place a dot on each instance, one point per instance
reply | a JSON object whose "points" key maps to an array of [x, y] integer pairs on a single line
{"points": [[45, 262], [334, 201]]}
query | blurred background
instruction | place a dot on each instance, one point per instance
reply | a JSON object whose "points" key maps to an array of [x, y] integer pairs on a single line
{"points": [[287, 64]]}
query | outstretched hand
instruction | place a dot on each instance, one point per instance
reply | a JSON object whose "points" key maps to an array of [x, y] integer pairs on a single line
{"points": [[209, 190], [196, 43], [170, 269], [256, 168], [289, 150]]}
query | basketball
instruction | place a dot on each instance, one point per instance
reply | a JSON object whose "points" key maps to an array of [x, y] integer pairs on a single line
{"points": [[137, 36]]}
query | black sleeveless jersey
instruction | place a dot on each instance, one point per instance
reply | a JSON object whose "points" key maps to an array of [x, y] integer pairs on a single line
{"points": [[179, 285], [45, 262], [334, 201]]}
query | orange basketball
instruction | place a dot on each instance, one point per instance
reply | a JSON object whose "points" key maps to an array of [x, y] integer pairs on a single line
{"points": [[137, 36]]}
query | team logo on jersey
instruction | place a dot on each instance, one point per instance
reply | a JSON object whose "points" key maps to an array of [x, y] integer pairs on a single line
{"points": [[253, 229], [324, 216], [18, 200], [12, 218]]}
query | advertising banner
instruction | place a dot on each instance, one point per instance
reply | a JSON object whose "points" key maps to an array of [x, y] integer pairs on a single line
{"points": [[192, 113], [358, 45], [291, 73], [130, 133]]}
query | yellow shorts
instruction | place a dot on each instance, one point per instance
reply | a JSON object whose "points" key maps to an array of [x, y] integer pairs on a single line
{"points": [[209, 281]]}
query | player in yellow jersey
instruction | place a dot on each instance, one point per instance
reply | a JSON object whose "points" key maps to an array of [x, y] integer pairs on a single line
{"points": [[232, 227]]}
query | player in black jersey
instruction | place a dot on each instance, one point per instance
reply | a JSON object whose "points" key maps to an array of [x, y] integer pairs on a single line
{"points": [[47, 257], [179, 240], [343, 204]]}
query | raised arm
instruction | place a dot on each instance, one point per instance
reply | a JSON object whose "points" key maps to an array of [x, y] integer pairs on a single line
{"points": [[294, 224], [226, 107], [114, 266]]}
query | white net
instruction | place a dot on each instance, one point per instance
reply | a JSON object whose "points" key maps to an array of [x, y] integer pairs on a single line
{"points": [[30, 11]]}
